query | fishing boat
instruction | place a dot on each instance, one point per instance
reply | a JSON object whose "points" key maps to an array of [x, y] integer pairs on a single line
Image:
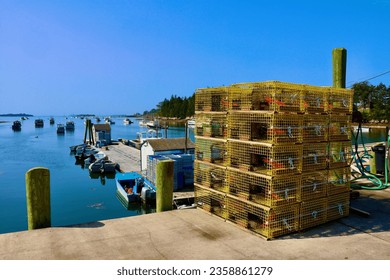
{"points": [[127, 121], [103, 166], [60, 128], [69, 126], [16, 126], [39, 123], [51, 121], [133, 187]]}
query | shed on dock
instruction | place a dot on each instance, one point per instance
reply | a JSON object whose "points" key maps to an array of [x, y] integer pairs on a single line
{"points": [[165, 146], [102, 133]]}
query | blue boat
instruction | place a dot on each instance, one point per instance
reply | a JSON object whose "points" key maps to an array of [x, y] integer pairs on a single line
{"points": [[133, 187]]}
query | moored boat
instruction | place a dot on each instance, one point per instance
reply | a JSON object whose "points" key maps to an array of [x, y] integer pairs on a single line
{"points": [[69, 125], [51, 121], [16, 126], [39, 123], [103, 166], [60, 128], [127, 121], [133, 187]]}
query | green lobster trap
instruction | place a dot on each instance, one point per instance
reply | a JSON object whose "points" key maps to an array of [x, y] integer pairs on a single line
{"points": [[265, 127]]}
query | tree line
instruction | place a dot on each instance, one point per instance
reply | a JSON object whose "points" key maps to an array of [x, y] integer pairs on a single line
{"points": [[372, 101]]}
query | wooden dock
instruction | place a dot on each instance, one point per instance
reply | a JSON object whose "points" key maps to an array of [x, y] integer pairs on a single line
{"points": [[127, 157], [129, 160]]}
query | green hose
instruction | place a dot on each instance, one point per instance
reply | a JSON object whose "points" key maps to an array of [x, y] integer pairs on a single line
{"points": [[364, 174]]}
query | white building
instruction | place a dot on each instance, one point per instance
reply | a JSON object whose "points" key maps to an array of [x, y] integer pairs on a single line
{"points": [[165, 146]]}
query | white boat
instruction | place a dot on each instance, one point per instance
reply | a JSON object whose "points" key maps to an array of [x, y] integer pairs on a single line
{"points": [[142, 123], [103, 166], [84, 151], [109, 120], [94, 157], [133, 187], [127, 121]]}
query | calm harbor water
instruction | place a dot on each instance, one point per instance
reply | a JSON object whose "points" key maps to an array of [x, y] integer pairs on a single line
{"points": [[75, 196]]}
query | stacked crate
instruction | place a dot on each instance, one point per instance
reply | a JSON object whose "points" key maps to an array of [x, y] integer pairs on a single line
{"points": [[262, 155]]}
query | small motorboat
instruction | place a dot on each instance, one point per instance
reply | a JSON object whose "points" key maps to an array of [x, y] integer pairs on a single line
{"points": [[51, 121], [133, 187], [39, 123], [84, 151], [127, 121], [69, 126], [94, 157], [60, 129], [103, 166], [16, 126]]}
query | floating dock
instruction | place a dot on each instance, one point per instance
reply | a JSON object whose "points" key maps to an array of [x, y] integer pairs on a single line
{"points": [[129, 160]]}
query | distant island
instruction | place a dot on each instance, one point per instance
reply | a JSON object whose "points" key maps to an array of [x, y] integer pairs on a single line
{"points": [[16, 115]]}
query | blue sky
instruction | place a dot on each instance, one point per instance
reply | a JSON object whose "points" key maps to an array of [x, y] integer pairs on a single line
{"points": [[125, 56]]}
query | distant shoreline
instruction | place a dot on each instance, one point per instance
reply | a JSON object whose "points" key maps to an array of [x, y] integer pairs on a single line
{"points": [[16, 115]]}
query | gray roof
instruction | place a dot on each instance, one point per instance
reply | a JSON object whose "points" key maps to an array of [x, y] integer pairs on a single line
{"points": [[103, 126], [170, 144]]}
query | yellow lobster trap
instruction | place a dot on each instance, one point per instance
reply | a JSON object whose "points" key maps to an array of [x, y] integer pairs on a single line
{"points": [[339, 180], [211, 201], [210, 175], [269, 96], [268, 222], [211, 150], [211, 99], [265, 159], [315, 99], [211, 124], [313, 213], [340, 154], [265, 127], [340, 101], [314, 185], [265, 190], [338, 206], [339, 127], [314, 156], [315, 128]]}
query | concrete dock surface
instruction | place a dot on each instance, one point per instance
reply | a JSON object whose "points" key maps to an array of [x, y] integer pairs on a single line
{"points": [[195, 234]]}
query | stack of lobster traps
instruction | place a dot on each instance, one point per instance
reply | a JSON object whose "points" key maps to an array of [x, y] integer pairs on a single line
{"points": [[273, 157]]}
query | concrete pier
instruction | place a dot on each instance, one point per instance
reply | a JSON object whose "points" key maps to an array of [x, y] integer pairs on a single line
{"points": [[194, 234]]}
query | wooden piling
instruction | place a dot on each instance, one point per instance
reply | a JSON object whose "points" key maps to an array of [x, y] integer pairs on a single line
{"points": [[38, 198], [339, 56], [164, 185]]}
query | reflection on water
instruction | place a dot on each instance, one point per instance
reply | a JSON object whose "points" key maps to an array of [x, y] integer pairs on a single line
{"points": [[374, 135]]}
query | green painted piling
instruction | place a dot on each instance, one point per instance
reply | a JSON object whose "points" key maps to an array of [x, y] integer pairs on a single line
{"points": [[38, 198], [339, 56], [164, 185]]}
